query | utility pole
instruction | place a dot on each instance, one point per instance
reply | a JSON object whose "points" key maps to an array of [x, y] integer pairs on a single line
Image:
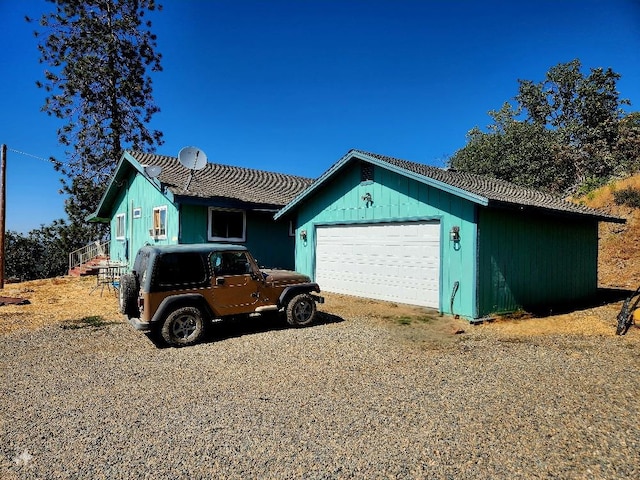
{"points": [[3, 210]]}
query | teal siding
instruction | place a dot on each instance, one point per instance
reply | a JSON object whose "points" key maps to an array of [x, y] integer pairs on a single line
{"points": [[269, 241], [193, 224], [533, 262], [138, 192], [396, 198]]}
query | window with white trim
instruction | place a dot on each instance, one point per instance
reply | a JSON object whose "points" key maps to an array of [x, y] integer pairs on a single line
{"points": [[226, 225], [159, 229], [120, 224]]}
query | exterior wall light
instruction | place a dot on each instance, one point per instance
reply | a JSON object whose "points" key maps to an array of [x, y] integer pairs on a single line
{"points": [[368, 200], [455, 234], [303, 235]]}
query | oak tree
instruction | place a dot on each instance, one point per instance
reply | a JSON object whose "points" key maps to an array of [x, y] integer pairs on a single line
{"points": [[562, 133]]}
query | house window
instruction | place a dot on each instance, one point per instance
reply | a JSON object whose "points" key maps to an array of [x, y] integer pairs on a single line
{"points": [[120, 223], [227, 225], [159, 229]]}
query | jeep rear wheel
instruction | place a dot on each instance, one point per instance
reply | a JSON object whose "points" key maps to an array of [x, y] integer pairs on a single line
{"points": [[184, 326], [301, 310], [128, 296]]}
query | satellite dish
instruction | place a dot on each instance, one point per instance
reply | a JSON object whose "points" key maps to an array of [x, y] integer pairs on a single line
{"points": [[192, 158], [152, 171]]}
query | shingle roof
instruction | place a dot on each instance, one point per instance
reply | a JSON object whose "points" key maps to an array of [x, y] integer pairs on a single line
{"points": [[494, 190], [224, 181], [484, 190]]}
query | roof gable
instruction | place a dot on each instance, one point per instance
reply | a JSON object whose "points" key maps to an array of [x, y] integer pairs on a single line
{"points": [[482, 190]]}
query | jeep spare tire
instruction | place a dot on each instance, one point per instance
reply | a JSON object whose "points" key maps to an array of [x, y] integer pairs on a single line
{"points": [[184, 326], [301, 310], [128, 295]]}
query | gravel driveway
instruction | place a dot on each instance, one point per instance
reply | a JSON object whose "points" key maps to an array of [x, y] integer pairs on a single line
{"points": [[342, 399]]}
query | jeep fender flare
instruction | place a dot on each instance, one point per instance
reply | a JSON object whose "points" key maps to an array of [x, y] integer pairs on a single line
{"points": [[290, 292], [174, 301]]}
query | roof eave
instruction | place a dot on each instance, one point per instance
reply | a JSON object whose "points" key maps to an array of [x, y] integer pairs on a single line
{"points": [[351, 155], [459, 192], [99, 215], [556, 212], [226, 202]]}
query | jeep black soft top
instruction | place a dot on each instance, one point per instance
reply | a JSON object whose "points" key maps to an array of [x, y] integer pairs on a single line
{"points": [[148, 254]]}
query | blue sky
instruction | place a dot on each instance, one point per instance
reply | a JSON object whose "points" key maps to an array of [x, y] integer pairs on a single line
{"points": [[291, 86]]}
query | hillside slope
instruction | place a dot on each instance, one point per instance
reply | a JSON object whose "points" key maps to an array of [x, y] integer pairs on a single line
{"points": [[619, 244]]}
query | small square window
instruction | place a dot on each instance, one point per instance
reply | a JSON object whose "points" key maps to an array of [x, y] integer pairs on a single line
{"points": [[137, 212], [227, 225]]}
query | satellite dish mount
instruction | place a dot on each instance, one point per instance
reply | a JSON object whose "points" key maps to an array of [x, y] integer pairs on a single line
{"points": [[193, 159]]}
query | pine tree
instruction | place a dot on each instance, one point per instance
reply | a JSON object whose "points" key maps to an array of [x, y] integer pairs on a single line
{"points": [[98, 55]]}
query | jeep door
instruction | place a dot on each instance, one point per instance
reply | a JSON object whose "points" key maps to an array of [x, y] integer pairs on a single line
{"points": [[234, 284]]}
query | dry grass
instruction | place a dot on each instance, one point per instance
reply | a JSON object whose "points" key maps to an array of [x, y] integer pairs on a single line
{"points": [[619, 249], [61, 300], [593, 322]]}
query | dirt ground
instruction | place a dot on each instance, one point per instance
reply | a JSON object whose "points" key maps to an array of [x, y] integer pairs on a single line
{"points": [[72, 302]]}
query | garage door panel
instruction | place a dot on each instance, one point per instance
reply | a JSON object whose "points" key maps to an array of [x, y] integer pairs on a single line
{"points": [[391, 261]]}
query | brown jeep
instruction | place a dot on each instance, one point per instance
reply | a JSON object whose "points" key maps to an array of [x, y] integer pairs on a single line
{"points": [[177, 290]]}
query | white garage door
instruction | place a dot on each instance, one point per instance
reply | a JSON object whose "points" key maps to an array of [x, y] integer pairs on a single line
{"points": [[398, 262]]}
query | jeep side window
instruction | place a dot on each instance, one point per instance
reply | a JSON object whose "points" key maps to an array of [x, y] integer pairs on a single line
{"points": [[175, 269], [230, 263]]}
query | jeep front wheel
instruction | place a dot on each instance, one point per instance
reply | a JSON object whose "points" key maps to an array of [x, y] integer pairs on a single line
{"points": [[301, 310], [184, 326]]}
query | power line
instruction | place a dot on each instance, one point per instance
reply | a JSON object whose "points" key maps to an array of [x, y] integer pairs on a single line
{"points": [[48, 160]]}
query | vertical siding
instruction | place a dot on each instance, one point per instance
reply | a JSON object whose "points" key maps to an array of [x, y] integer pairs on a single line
{"points": [[268, 241], [193, 224], [396, 198], [139, 193], [533, 262]]}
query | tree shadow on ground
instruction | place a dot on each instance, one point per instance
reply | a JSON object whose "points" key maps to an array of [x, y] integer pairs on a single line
{"points": [[236, 327]]}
